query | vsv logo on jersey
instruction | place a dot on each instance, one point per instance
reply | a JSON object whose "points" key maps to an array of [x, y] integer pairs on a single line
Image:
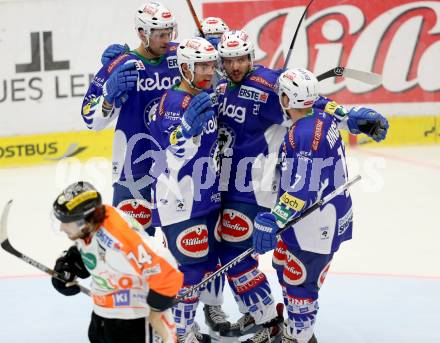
{"points": [[157, 82], [252, 93], [236, 112], [193, 242]]}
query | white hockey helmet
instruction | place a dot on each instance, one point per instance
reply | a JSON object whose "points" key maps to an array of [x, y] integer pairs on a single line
{"points": [[300, 86], [213, 26], [191, 51], [236, 43], [154, 15]]}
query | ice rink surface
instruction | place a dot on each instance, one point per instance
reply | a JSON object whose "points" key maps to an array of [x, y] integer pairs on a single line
{"points": [[383, 286]]}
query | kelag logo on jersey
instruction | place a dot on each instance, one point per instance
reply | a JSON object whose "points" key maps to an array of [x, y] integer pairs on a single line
{"points": [[237, 113], [252, 93], [158, 82]]}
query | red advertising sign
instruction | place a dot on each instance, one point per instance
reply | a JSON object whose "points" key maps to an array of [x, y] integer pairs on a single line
{"points": [[399, 39]]}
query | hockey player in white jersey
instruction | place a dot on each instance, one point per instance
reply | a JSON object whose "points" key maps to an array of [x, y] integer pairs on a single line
{"points": [[134, 279], [313, 165], [125, 89], [186, 195]]}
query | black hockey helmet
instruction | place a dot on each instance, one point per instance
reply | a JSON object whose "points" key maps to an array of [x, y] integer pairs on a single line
{"points": [[76, 202]]}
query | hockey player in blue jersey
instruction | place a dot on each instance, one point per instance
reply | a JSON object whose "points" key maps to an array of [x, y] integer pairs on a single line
{"points": [[186, 194], [313, 165], [251, 130], [126, 89], [213, 28]]}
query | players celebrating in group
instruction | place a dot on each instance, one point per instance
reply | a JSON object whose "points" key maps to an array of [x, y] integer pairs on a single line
{"points": [[219, 153]]}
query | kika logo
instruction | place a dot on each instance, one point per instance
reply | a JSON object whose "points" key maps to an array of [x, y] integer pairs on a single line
{"points": [[40, 54]]}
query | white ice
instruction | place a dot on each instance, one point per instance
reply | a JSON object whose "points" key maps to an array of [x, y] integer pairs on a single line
{"points": [[383, 286]]}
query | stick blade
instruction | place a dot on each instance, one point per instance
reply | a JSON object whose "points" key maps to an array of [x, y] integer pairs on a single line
{"points": [[4, 222], [366, 77]]}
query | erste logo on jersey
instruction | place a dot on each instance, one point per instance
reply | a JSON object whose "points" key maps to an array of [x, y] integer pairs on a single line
{"points": [[138, 209], [294, 272], [251, 93], [236, 226], [193, 242], [172, 62]]}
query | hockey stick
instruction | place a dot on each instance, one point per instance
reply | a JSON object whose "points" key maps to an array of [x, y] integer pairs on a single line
{"points": [[6, 245], [249, 251], [295, 35], [363, 76], [196, 19]]}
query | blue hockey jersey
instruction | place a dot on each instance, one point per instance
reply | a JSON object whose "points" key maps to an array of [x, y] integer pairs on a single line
{"points": [[186, 170], [250, 134], [312, 166], [252, 126], [131, 138]]}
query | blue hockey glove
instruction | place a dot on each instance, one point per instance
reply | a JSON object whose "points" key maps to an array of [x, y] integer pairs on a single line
{"points": [[214, 40], [198, 113], [122, 80], [265, 231], [113, 51], [369, 122]]}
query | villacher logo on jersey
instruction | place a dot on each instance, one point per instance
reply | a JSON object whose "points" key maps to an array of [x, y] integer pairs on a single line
{"points": [[34, 88]]}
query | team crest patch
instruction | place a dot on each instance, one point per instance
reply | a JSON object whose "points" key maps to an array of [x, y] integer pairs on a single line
{"points": [[294, 271], [138, 209], [193, 242], [236, 226]]}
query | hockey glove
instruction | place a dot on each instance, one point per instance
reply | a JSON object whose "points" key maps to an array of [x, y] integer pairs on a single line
{"points": [[368, 121], [265, 232], [198, 113], [121, 81], [70, 265], [113, 51]]}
